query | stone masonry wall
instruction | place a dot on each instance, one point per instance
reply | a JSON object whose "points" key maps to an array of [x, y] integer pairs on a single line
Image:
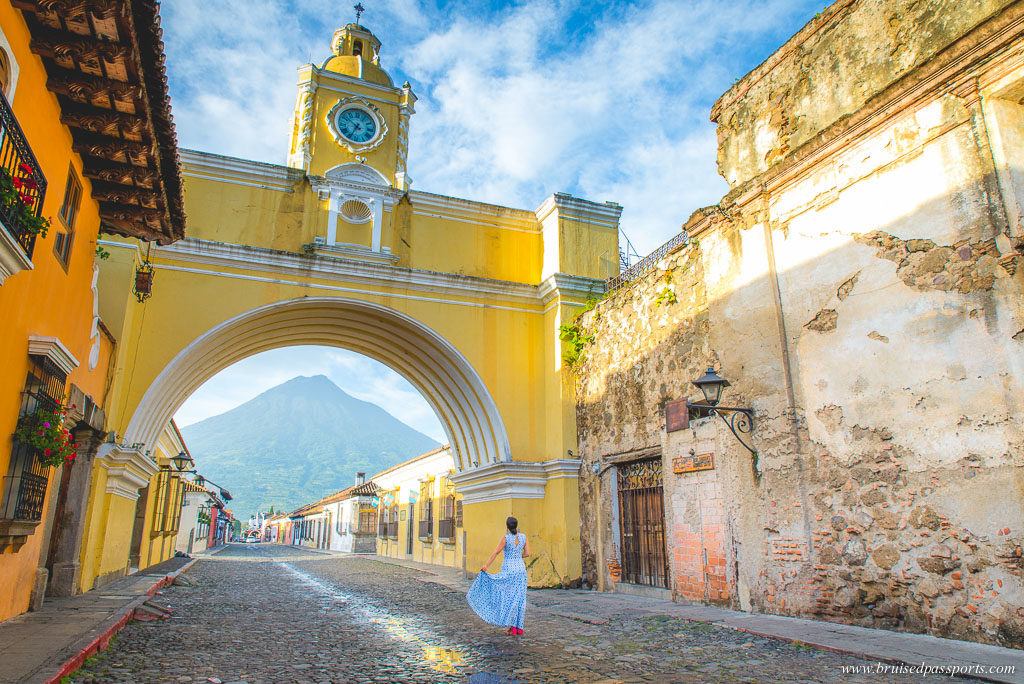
{"points": [[871, 311]]}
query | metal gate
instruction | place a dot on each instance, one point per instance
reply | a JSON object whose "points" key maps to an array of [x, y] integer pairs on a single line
{"points": [[642, 523]]}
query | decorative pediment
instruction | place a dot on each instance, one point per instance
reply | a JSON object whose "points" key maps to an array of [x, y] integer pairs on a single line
{"points": [[357, 173]]}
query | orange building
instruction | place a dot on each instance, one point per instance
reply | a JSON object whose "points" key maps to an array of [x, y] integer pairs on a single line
{"points": [[87, 146]]}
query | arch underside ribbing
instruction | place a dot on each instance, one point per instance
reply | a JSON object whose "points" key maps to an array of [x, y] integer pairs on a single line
{"points": [[443, 376]]}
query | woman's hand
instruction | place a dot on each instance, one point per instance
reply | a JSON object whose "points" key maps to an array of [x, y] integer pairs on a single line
{"points": [[483, 569]]}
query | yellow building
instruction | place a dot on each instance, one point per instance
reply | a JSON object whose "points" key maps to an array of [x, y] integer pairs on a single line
{"points": [[462, 298], [420, 512], [70, 160]]}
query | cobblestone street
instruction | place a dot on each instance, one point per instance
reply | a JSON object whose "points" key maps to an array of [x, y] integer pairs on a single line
{"points": [[276, 614]]}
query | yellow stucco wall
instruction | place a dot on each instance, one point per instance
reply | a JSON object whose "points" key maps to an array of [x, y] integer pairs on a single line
{"points": [[46, 300], [493, 282]]}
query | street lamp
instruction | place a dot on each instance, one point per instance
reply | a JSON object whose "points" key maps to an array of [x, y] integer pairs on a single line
{"points": [[201, 481], [182, 461], [739, 421]]}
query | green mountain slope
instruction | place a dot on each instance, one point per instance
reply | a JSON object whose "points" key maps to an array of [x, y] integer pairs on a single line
{"points": [[297, 442]]}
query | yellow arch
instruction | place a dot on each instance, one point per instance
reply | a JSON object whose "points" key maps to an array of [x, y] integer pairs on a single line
{"points": [[443, 376]]}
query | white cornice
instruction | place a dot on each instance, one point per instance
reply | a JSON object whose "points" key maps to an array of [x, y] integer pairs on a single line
{"points": [[577, 209], [512, 479], [562, 285], [341, 268], [325, 76], [244, 171], [427, 203], [53, 349], [12, 257], [357, 252], [562, 468], [128, 470]]}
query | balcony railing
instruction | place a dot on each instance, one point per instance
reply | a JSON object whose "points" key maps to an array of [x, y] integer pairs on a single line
{"points": [[426, 529], [446, 529], [22, 179]]}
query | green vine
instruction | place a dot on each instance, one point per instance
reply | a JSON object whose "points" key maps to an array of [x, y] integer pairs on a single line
{"points": [[102, 253], [666, 296], [575, 340]]}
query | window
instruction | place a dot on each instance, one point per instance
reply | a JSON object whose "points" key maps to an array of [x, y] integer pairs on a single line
{"points": [[367, 521], [167, 514], [68, 214], [24, 487], [357, 48], [426, 530], [5, 73], [446, 525]]}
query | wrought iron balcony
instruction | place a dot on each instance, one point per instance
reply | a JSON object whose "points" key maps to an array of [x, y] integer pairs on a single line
{"points": [[22, 184]]}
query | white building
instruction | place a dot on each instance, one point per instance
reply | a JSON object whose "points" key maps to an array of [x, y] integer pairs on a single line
{"points": [[194, 531], [353, 517]]}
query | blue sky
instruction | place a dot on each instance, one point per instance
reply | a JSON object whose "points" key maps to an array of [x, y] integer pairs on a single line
{"points": [[603, 100]]}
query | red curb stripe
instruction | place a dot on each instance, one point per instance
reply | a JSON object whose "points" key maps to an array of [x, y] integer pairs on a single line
{"points": [[103, 640]]}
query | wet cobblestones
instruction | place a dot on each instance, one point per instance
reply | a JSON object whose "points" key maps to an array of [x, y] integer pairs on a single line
{"points": [[275, 614]]}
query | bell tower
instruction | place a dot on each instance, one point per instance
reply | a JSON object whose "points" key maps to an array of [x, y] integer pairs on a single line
{"points": [[350, 134], [349, 111]]}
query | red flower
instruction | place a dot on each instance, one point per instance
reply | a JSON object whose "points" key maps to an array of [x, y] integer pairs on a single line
{"points": [[46, 452]]}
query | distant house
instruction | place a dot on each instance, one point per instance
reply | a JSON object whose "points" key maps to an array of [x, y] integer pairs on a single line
{"points": [[194, 531], [420, 511], [354, 518]]}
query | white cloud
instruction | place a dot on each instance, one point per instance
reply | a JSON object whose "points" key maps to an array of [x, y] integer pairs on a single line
{"points": [[608, 101]]}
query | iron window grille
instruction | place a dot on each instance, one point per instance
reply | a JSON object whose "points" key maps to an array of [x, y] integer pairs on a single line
{"points": [[426, 526], [393, 522], [24, 487], [367, 521], [446, 525]]}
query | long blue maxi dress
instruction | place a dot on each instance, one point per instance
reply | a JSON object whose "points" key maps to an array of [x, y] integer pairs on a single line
{"points": [[500, 599]]}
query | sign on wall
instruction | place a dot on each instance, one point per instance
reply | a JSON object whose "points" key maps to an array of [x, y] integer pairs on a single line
{"points": [[691, 463], [677, 415]]}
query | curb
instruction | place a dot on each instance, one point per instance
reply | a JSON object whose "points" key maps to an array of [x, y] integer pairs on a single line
{"points": [[88, 645]]}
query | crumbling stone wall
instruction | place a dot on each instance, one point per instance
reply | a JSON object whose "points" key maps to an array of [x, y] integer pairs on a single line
{"points": [[869, 307], [829, 71]]}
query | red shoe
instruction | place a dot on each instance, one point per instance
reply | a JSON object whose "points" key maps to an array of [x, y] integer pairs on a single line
{"points": [[511, 631], [519, 632]]}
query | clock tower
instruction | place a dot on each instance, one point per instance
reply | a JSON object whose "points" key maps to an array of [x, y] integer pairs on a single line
{"points": [[350, 134]]}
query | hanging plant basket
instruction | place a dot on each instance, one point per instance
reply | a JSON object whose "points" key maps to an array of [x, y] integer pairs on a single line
{"points": [[143, 288], [44, 431]]}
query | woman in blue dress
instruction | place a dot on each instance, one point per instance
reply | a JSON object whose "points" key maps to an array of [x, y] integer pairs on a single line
{"points": [[501, 599]]}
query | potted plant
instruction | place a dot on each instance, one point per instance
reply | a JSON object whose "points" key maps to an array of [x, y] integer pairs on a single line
{"points": [[44, 430], [17, 200]]}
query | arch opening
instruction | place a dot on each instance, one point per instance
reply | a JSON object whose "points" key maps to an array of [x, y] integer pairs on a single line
{"points": [[442, 375]]}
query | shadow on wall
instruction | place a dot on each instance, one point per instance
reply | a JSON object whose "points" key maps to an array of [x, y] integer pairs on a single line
{"points": [[887, 425]]}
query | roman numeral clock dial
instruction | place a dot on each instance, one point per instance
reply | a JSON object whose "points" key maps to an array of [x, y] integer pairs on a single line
{"points": [[357, 125]]}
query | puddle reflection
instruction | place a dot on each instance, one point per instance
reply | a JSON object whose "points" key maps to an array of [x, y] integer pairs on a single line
{"points": [[442, 659]]}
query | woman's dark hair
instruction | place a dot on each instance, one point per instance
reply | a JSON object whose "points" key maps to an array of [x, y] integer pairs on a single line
{"points": [[512, 524]]}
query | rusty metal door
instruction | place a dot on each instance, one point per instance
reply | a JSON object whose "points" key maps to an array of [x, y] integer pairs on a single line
{"points": [[642, 523]]}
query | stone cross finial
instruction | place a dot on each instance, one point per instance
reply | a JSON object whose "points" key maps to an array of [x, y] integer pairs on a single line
{"points": [[358, 7]]}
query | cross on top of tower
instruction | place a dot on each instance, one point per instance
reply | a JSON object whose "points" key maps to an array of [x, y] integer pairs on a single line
{"points": [[358, 7]]}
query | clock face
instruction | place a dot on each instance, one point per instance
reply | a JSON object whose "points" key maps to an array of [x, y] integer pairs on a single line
{"points": [[356, 124]]}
